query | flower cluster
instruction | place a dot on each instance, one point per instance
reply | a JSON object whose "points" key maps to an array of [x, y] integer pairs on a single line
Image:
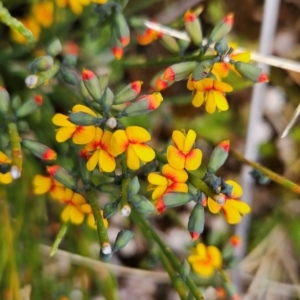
{"points": [[75, 204], [182, 157], [5, 175]]}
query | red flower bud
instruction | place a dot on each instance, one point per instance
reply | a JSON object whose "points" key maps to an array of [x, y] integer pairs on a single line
{"points": [[194, 235], [117, 51], [229, 19], [263, 78], [136, 86], [225, 145], [49, 154], [38, 99], [87, 74], [52, 169], [189, 16]]}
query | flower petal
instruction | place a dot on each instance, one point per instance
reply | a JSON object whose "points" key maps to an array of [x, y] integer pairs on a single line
{"points": [[174, 174], [213, 206], [201, 251], [93, 160], [221, 101], [41, 184], [144, 152], [222, 87], [76, 215], [190, 84], [83, 108], [237, 190], [91, 146], [178, 139], [66, 213], [157, 179], [119, 141], [193, 160], [234, 209], [204, 85], [189, 140], [133, 161], [64, 133], [107, 162], [61, 120], [78, 199], [198, 99], [159, 191], [177, 187], [84, 134], [175, 157], [137, 135], [6, 178], [215, 256], [210, 103]]}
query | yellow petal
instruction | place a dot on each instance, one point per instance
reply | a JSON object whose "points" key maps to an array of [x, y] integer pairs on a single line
{"points": [[144, 152], [5, 178], [43, 13], [234, 209], [76, 215], [174, 174], [119, 141], [137, 135], [175, 157], [41, 184], [83, 108], [189, 140], [68, 196], [221, 101], [177, 187], [61, 120], [222, 87], [57, 192], [157, 179], [193, 160], [91, 221], [78, 199], [178, 139], [66, 213], [215, 256], [133, 161], [76, 7], [93, 160], [107, 162], [190, 84], [106, 142], [221, 69], [237, 190], [204, 85], [64, 133], [83, 134], [91, 146], [203, 269], [213, 206], [159, 191], [198, 99], [86, 208], [242, 56], [201, 251], [210, 103], [4, 159]]}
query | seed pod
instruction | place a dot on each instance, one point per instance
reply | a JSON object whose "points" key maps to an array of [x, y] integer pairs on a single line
{"points": [[82, 119], [42, 63], [221, 47], [122, 29], [193, 27], [92, 84], [177, 199], [169, 43], [63, 176], [123, 237], [29, 106], [54, 48], [128, 93], [38, 149], [180, 71], [141, 203], [196, 221], [107, 99], [218, 157], [250, 72]]}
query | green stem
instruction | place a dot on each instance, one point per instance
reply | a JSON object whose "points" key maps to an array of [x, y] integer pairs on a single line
{"points": [[176, 280], [101, 230], [272, 175], [141, 62], [125, 181], [167, 252], [16, 150], [62, 232], [13, 23]]}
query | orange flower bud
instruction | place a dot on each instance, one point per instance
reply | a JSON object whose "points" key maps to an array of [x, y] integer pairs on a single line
{"points": [[38, 99], [194, 235], [117, 51], [38, 149]]}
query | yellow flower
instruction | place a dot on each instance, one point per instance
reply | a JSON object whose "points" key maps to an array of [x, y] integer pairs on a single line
{"points": [[102, 152], [5, 178], [205, 260], [43, 13], [44, 184], [86, 208], [210, 91], [171, 180], [30, 24], [73, 212], [132, 141], [233, 208], [76, 6], [80, 134], [181, 155]]}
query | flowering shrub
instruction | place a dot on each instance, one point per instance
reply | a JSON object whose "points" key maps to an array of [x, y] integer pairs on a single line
{"points": [[101, 146]]}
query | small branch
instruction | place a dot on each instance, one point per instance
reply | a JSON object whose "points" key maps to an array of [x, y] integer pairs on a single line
{"points": [[167, 252], [101, 230], [272, 175], [13, 23], [16, 150], [202, 186]]}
